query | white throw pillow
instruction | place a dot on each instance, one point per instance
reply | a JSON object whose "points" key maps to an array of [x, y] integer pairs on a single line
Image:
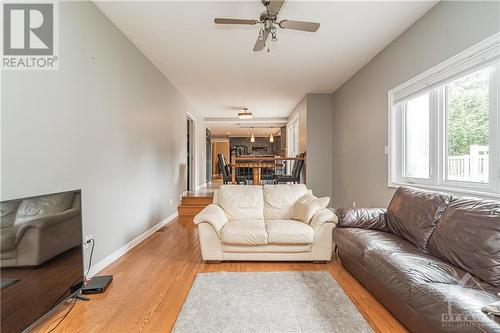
{"points": [[307, 206]]}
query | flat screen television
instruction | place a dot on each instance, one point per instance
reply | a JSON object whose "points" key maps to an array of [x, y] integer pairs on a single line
{"points": [[41, 256]]}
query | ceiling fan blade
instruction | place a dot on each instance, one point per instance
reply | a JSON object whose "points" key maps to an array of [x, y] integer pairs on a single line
{"points": [[274, 6], [299, 25], [261, 42], [219, 20]]}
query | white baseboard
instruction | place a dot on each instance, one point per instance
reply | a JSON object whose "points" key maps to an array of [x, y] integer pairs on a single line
{"points": [[96, 268]]}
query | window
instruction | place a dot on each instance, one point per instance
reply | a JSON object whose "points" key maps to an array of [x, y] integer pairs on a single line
{"points": [[468, 122], [445, 123], [416, 115]]}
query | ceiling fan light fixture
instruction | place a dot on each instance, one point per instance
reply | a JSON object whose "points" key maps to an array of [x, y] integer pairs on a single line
{"points": [[245, 114], [271, 138], [269, 21], [252, 138]]}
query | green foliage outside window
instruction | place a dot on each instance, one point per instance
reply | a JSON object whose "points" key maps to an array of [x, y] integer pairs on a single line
{"points": [[468, 113]]}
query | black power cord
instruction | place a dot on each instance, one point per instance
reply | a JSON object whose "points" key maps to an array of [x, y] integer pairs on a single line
{"points": [[90, 258], [61, 318]]}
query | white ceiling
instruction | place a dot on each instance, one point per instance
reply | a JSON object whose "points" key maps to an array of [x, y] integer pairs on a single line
{"points": [[238, 128], [215, 68]]}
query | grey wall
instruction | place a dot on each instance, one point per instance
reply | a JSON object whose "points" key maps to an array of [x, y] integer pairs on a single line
{"points": [[360, 107], [315, 137], [107, 122], [319, 144]]}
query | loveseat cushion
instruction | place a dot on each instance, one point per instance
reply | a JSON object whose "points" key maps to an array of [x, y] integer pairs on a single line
{"points": [[30, 209], [279, 200], [468, 236], [289, 232], [413, 214], [8, 211], [241, 202], [244, 232], [356, 242]]}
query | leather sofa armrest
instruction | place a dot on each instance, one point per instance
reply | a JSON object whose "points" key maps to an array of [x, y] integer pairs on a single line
{"points": [[323, 216], [212, 214], [364, 218]]}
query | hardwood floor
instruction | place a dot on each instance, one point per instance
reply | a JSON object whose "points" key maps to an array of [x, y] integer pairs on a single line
{"points": [[153, 279]]}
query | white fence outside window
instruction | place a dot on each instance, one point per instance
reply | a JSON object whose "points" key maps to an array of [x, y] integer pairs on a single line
{"points": [[472, 167]]}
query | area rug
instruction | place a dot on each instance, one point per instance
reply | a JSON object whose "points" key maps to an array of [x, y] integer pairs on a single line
{"points": [[268, 302]]}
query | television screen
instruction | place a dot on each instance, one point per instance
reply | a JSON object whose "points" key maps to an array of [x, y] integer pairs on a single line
{"points": [[42, 256]]}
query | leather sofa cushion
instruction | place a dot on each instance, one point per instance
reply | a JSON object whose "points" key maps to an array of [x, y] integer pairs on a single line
{"points": [[279, 200], [413, 214], [468, 236], [241, 202], [402, 272], [434, 301], [244, 232], [289, 232], [356, 242]]}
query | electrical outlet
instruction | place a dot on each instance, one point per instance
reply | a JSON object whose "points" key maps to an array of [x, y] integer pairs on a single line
{"points": [[171, 201], [354, 204], [87, 240]]}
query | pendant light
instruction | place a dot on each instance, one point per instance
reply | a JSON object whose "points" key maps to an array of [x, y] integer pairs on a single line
{"points": [[252, 138], [271, 138]]}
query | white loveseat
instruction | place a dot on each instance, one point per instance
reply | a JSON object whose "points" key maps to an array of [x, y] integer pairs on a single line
{"points": [[247, 222]]}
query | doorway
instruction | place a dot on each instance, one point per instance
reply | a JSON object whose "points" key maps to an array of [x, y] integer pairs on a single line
{"points": [[190, 156], [219, 146], [208, 147]]}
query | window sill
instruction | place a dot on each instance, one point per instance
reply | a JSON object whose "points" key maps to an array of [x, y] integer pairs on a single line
{"points": [[459, 192]]}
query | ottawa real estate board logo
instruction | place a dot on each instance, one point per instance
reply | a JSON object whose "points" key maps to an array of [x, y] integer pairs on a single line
{"points": [[30, 36]]}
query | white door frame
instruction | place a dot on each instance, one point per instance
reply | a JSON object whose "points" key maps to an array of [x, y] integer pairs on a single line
{"points": [[193, 165]]}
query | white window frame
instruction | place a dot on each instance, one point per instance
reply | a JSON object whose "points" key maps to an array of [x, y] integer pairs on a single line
{"points": [[481, 55]]}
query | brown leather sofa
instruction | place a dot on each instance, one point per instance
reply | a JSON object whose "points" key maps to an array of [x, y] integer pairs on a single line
{"points": [[432, 259]]}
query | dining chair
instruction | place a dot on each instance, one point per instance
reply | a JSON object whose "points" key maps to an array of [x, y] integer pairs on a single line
{"points": [[298, 165], [226, 172]]}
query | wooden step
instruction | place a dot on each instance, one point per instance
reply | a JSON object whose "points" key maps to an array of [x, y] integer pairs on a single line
{"points": [[190, 210], [196, 201]]}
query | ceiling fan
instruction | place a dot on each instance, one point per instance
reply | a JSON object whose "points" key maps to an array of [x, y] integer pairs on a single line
{"points": [[269, 21]]}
